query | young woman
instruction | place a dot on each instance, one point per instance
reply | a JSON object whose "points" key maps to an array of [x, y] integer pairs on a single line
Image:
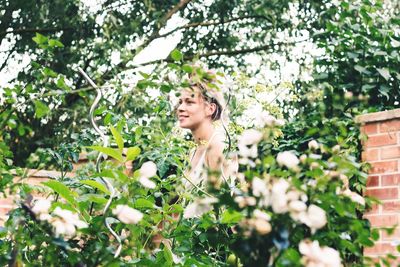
{"points": [[200, 110]]}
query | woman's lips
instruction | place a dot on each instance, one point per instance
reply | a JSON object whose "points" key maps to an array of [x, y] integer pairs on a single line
{"points": [[182, 117]]}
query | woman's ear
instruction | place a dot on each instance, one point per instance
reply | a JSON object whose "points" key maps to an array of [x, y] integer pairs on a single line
{"points": [[211, 108]]}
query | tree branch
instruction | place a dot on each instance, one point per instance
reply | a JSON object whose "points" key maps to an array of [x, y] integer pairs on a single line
{"points": [[7, 58], [209, 23], [221, 53], [30, 30], [163, 21]]}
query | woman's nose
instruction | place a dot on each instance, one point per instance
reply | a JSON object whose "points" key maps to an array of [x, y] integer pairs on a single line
{"points": [[181, 107]]}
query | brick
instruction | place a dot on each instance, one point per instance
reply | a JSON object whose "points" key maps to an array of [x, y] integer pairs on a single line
{"points": [[370, 155], [370, 128], [381, 140], [390, 152], [391, 206], [6, 201], [394, 236], [390, 179], [383, 220], [380, 248], [389, 126], [384, 167], [374, 210], [372, 181], [383, 193]]}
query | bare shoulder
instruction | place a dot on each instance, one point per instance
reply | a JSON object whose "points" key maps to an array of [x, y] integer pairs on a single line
{"points": [[215, 152]]}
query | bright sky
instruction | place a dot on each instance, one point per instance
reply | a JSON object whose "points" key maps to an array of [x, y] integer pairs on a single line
{"points": [[160, 48]]}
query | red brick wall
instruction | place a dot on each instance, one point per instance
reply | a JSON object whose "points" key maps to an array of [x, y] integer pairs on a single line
{"points": [[36, 177], [382, 151]]}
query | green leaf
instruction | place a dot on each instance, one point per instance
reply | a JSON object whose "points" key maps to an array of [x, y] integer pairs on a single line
{"points": [[384, 72], [187, 68], [132, 153], [62, 190], [168, 255], [231, 216], [55, 43], [176, 55], [118, 138], [96, 185], [49, 72], [39, 39], [115, 153], [143, 203], [41, 109]]}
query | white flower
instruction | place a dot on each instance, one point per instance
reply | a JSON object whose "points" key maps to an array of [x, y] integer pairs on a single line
{"points": [[287, 159], [278, 196], [115, 57], [127, 214], [245, 201], [258, 214], [62, 228], [148, 169], [316, 256], [199, 207], [41, 206], [250, 137], [313, 145], [354, 197], [259, 187], [315, 217], [247, 152], [65, 222], [263, 227], [70, 217], [146, 182]]}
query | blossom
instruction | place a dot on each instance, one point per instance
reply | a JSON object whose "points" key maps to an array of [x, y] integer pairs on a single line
{"points": [[287, 159], [259, 187], [260, 222], [41, 206], [245, 201], [278, 196], [127, 214], [148, 169], [313, 145], [316, 256], [65, 222], [199, 207], [250, 137], [314, 217], [146, 182], [354, 197]]}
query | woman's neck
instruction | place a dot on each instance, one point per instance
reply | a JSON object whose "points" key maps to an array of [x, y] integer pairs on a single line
{"points": [[203, 133]]}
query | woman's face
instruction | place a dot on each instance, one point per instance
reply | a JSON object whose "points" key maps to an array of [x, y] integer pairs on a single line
{"points": [[192, 109]]}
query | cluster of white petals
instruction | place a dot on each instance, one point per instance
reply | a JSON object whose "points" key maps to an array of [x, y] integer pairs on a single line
{"points": [[354, 196], [314, 217], [41, 209], [345, 191], [127, 214], [148, 170], [198, 207], [64, 222], [288, 159], [260, 222], [247, 145], [313, 145], [316, 256], [270, 121]]}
